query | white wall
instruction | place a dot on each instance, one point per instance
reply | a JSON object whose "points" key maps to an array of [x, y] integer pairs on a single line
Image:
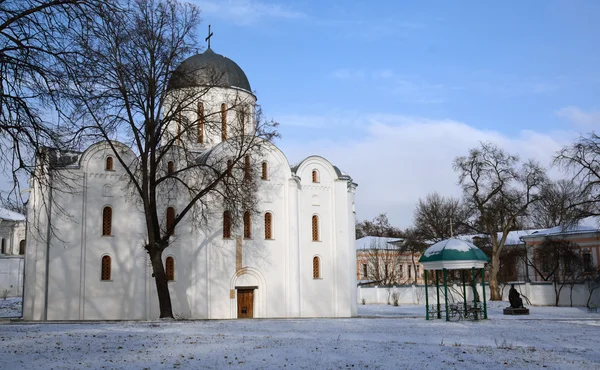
{"points": [[533, 294], [11, 276]]}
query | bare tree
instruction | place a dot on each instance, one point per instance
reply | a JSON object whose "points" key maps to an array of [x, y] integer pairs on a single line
{"points": [[379, 226], [558, 261], [414, 245], [33, 45], [437, 218], [382, 263], [591, 281], [499, 189], [582, 161], [561, 203], [121, 90]]}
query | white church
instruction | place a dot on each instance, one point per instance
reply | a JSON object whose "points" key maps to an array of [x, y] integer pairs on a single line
{"points": [[294, 258]]}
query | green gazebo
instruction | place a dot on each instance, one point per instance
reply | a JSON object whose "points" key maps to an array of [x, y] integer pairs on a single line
{"points": [[454, 254]]}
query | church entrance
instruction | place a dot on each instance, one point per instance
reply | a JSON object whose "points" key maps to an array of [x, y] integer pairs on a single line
{"points": [[245, 303]]}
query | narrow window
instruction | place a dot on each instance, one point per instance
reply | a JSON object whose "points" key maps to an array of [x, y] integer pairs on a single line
{"points": [[107, 221], [247, 169], [229, 167], [247, 225], [170, 269], [409, 272], [268, 226], [223, 122], [315, 228], [105, 274], [226, 224], [587, 261], [400, 273], [3, 246], [365, 270], [22, 247], [316, 268], [171, 221], [200, 123], [179, 128], [242, 119], [315, 176], [265, 171], [171, 167], [109, 163]]}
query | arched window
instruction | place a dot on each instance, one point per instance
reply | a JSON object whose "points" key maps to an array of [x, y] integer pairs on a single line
{"points": [[22, 247], [315, 228], [170, 268], [247, 225], [109, 164], [200, 123], [3, 246], [229, 167], [316, 267], [315, 176], [223, 122], [227, 224], [247, 169], [107, 221], [171, 167], [265, 171], [268, 226], [171, 220], [242, 119], [105, 274]]}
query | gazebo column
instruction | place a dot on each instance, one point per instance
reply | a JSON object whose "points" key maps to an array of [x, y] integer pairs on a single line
{"points": [[474, 287], [462, 273], [437, 289], [483, 288], [426, 299], [446, 293]]}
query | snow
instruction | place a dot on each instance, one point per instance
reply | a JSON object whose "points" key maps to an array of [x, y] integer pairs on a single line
{"points": [[6, 214], [384, 337], [376, 242], [449, 244], [10, 307]]}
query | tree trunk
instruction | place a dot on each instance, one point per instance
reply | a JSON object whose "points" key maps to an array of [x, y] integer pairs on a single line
{"points": [[162, 286], [494, 287]]}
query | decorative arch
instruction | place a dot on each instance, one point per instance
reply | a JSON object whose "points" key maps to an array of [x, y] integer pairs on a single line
{"points": [[109, 165], [260, 293], [22, 247]]}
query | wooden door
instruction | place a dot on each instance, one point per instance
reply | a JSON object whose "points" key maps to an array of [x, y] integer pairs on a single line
{"points": [[245, 299]]}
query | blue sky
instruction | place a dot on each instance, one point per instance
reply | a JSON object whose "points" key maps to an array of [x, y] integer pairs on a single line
{"points": [[392, 91]]}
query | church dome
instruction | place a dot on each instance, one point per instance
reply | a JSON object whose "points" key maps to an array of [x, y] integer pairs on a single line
{"points": [[208, 69]]}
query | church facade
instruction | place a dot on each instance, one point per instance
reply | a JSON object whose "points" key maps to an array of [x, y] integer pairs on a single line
{"points": [[293, 257]]}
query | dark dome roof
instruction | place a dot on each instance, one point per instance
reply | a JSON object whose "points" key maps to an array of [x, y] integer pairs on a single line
{"points": [[208, 69]]}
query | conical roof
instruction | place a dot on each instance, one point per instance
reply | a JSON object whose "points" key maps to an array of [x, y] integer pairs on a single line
{"points": [[453, 254]]}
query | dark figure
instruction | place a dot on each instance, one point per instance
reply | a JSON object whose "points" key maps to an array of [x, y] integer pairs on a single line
{"points": [[514, 298]]}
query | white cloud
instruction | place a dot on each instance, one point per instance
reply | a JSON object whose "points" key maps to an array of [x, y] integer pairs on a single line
{"points": [[401, 159], [246, 12], [579, 117]]}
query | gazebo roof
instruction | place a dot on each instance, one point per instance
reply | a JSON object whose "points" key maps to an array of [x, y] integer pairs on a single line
{"points": [[453, 254]]}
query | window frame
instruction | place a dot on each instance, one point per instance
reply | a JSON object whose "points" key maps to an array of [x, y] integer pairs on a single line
{"points": [[264, 171], [247, 225], [268, 226], [316, 267], [107, 226], [200, 133], [316, 178], [170, 268], [315, 226], [109, 163], [106, 272], [227, 224], [223, 122], [170, 216]]}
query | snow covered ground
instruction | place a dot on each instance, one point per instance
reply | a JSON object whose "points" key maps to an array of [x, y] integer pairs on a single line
{"points": [[384, 337]]}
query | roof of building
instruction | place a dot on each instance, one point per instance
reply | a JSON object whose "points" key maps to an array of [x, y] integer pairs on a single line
{"points": [[513, 238], [559, 230], [376, 242], [208, 69], [453, 254], [9, 215]]}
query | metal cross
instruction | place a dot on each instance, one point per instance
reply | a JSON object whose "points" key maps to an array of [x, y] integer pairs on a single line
{"points": [[209, 36]]}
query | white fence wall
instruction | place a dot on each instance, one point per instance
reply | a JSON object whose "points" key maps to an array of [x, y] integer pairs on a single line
{"points": [[532, 294], [11, 276]]}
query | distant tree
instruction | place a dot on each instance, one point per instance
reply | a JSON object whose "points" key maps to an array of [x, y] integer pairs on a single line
{"points": [[499, 189], [382, 263], [561, 203], [582, 160], [437, 218], [414, 245], [379, 226], [591, 282]]}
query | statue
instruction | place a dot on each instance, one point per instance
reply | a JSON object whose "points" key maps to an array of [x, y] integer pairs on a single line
{"points": [[515, 298]]}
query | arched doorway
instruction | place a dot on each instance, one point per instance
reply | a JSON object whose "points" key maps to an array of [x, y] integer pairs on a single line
{"points": [[22, 247]]}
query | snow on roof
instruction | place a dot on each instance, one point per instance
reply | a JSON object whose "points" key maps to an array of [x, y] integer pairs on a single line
{"points": [[8, 215], [450, 244], [559, 230], [376, 242], [513, 238]]}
